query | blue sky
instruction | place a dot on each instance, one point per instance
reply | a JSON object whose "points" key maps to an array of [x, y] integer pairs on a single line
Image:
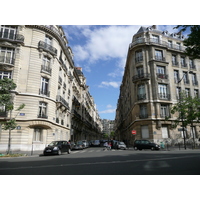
{"points": [[101, 52]]}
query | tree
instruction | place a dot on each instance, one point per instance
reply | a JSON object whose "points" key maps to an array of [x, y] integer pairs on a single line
{"points": [[188, 112], [192, 42], [7, 105]]}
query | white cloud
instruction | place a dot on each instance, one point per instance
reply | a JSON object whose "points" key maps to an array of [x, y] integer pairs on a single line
{"points": [[105, 42], [111, 83], [107, 111]]}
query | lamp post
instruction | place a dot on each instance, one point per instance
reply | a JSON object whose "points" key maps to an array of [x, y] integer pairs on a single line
{"points": [[182, 117]]}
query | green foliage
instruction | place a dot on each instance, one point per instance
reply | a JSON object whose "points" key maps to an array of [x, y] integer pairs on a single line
{"points": [[193, 41], [188, 109], [6, 86]]}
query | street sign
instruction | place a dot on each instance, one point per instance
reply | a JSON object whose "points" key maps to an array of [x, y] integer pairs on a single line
{"points": [[133, 132]]}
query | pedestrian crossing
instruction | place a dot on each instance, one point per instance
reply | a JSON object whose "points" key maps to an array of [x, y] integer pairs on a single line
{"points": [[90, 151]]}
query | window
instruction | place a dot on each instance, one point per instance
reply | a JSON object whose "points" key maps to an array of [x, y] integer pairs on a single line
{"points": [[176, 76], [46, 61], [44, 86], [7, 55], [155, 38], [178, 45], [37, 135], [170, 43], [145, 132], [191, 64], [42, 110], [183, 64], [185, 78], [159, 55], [187, 92], [161, 72], [138, 56], [162, 90], [141, 92], [164, 111], [48, 40], [140, 71], [178, 91], [8, 32], [194, 79], [143, 111], [174, 60], [5, 74], [196, 93]]}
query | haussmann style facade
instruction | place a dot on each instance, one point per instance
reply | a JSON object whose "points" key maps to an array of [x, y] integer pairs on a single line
{"points": [[57, 101], [151, 85]]}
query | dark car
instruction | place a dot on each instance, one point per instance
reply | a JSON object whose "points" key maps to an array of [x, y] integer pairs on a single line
{"points": [[145, 144], [57, 147], [95, 143], [78, 145]]}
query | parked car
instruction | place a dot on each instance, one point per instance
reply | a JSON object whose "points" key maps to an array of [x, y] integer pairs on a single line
{"points": [[57, 147], [85, 143], [78, 145], [95, 143], [145, 144], [121, 145]]}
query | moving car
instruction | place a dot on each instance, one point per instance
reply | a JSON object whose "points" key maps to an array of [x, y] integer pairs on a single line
{"points": [[78, 145], [121, 145], [145, 144], [57, 147]]}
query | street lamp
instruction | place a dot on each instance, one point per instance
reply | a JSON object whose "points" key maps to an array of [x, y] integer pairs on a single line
{"points": [[182, 119]]}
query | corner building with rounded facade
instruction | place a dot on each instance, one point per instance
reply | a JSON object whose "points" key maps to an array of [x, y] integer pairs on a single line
{"points": [[39, 61], [151, 85]]}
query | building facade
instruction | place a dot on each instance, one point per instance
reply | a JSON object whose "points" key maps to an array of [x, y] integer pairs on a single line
{"points": [[156, 71], [108, 126], [40, 62]]}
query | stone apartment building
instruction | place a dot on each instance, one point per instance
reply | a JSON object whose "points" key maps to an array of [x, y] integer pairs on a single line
{"points": [[108, 126], [57, 101], [151, 85]]}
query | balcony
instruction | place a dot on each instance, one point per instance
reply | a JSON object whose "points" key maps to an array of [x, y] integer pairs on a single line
{"points": [[3, 114], [157, 42], [141, 96], [46, 47], [12, 37], [7, 60], [164, 96], [44, 116], [61, 100], [44, 92], [184, 65], [195, 82], [162, 76], [143, 76], [46, 69], [139, 59], [160, 58], [143, 116], [175, 63], [192, 66]]}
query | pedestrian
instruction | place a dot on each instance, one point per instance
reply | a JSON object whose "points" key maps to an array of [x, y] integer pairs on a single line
{"points": [[109, 146], [105, 145]]}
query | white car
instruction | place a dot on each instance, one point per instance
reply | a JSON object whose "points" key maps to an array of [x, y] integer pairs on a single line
{"points": [[121, 145]]}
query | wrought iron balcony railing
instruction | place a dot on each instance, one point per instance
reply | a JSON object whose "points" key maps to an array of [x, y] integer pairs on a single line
{"points": [[141, 96], [45, 68], [141, 76], [162, 76], [44, 116], [11, 37], [62, 100], [164, 96], [7, 60], [47, 47]]}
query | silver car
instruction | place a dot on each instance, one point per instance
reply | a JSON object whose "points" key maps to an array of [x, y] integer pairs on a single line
{"points": [[121, 145]]}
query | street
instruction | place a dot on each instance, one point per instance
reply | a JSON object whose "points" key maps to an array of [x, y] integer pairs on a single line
{"points": [[95, 161]]}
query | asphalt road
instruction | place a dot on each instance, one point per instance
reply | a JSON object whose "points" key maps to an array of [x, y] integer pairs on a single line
{"points": [[95, 161]]}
